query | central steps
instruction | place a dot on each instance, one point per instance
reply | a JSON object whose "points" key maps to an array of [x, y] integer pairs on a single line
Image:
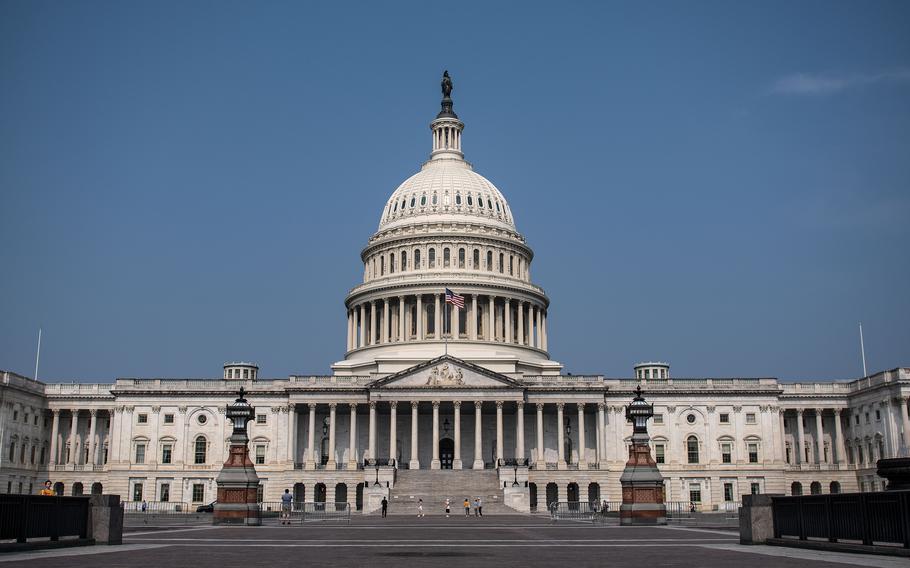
{"points": [[433, 486]]}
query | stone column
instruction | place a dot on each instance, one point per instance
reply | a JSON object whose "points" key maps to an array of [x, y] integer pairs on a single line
{"points": [[401, 319], [507, 308], [420, 323], [292, 435], [499, 444], [456, 459], [560, 441], [491, 318], [520, 434], [352, 442], [74, 425], [373, 340], [363, 327], [538, 340], [435, 463], [386, 328], [582, 458], [91, 436], [839, 438], [819, 436], [478, 435], [521, 322], [601, 435], [415, 461], [800, 451], [372, 441], [473, 323], [905, 420], [543, 323], [55, 431], [437, 318], [393, 430], [311, 439], [331, 464], [782, 414], [541, 457]]}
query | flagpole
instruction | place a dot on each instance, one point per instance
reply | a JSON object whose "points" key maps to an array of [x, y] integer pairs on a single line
{"points": [[38, 354], [445, 313], [862, 348]]}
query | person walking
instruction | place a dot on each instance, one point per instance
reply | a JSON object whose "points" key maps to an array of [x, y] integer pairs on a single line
{"points": [[385, 507], [467, 507], [47, 491], [286, 500], [448, 507], [479, 506], [476, 501], [419, 508]]}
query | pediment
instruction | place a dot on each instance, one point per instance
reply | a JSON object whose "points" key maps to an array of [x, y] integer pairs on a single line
{"points": [[446, 372]]}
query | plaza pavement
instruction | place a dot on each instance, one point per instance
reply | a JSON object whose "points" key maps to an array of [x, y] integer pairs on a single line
{"points": [[500, 541]]}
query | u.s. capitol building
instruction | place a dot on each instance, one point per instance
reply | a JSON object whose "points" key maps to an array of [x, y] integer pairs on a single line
{"points": [[471, 392]]}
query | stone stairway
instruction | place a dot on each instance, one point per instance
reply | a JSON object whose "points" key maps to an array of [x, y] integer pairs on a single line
{"points": [[433, 486]]}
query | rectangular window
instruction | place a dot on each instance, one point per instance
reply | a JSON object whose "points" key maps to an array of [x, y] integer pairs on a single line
{"points": [[695, 493], [724, 418], [164, 492], [137, 492], [856, 418], [753, 453], [142, 418], [867, 418], [260, 419], [140, 453], [15, 415], [198, 493], [878, 414], [728, 491], [658, 418], [168, 418], [659, 453], [750, 418], [260, 454], [259, 491], [26, 417], [166, 453], [726, 453], [755, 488]]}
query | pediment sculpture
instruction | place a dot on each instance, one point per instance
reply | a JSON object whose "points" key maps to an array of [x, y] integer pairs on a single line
{"points": [[443, 376]]}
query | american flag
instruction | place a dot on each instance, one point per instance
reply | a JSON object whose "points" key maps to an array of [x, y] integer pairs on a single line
{"points": [[454, 299]]}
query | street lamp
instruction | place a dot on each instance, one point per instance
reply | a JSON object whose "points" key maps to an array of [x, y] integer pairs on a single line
{"points": [[639, 412]]}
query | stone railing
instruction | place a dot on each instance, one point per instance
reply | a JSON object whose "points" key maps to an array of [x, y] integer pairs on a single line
{"points": [[20, 382], [227, 385], [563, 380], [695, 384], [317, 381], [59, 389], [463, 276]]}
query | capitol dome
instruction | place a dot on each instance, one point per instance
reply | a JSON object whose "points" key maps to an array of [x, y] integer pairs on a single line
{"points": [[447, 188]]}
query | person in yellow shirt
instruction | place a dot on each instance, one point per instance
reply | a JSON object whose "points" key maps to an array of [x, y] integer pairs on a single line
{"points": [[48, 491]]}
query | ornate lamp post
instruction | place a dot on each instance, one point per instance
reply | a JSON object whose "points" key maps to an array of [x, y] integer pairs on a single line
{"points": [[238, 483], [642, 483]]}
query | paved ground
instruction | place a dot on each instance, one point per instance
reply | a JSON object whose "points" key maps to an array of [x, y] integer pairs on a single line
{"points": [[436, 541]]}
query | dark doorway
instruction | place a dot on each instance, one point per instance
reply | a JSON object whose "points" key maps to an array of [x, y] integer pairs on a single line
{"points": [[593, 494], [835, 487], [341, 496], [532, 495], [572, 496], [299, 492], [96, 488], [319, 493], [58, 488], [552, 494], [446, 453], [359, 502], [77, 489]]}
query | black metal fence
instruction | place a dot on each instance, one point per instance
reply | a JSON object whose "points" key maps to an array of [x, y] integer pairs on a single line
{"points": [[881, 519], [24, 517]]}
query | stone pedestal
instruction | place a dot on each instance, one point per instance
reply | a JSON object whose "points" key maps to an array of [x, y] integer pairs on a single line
{"points": [[105, 519], [756, 521], [642, 487], [896, 471], [238, 482]]}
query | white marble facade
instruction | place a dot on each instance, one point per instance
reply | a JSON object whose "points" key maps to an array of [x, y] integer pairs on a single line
{"points": [[496, 395]]}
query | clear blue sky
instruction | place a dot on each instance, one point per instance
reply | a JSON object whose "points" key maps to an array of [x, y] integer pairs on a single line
{"points": [[721, 185]]}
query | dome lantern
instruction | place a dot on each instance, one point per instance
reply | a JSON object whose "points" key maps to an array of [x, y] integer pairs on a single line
{"points": [[446, 128]]}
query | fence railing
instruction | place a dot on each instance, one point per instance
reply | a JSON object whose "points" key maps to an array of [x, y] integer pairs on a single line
{"points": [[881, 519], [130, 507], [24, 517], [584, 511], [298, 512]]}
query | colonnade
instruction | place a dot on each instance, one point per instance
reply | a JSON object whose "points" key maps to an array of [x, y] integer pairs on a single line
{"points": [[420, 317], [58, 454]]}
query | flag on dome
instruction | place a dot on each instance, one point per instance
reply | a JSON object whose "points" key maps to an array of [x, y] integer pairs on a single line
{"points": [[454, 299]]}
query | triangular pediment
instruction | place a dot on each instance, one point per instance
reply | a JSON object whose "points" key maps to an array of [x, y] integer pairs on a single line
{"points": [[446, 372]]}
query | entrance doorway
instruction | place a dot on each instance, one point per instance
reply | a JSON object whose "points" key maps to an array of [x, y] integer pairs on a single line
{"points": [[446, 453], [572, 496], [532, 495]]}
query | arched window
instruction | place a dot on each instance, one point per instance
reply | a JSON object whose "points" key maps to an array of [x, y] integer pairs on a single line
{"points": [[501, 263], [445, 257], [834, 487], [497, 207], [796, 488], [432, 258], [490, 260], [692, 449], [435, 199], [480, 201], [457, 199], [395, 207], [815, 488], [413, 201], [461, 258], [391, 263], [423, 200], [403, 200], [199, 450], [476, 265], [417, 259], [511, 265], [470, 200], [404, 260], [12, 451], [382, 265]]}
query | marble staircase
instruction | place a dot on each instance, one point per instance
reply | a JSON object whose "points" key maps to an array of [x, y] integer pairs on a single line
{"points": [[433, 486]]}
